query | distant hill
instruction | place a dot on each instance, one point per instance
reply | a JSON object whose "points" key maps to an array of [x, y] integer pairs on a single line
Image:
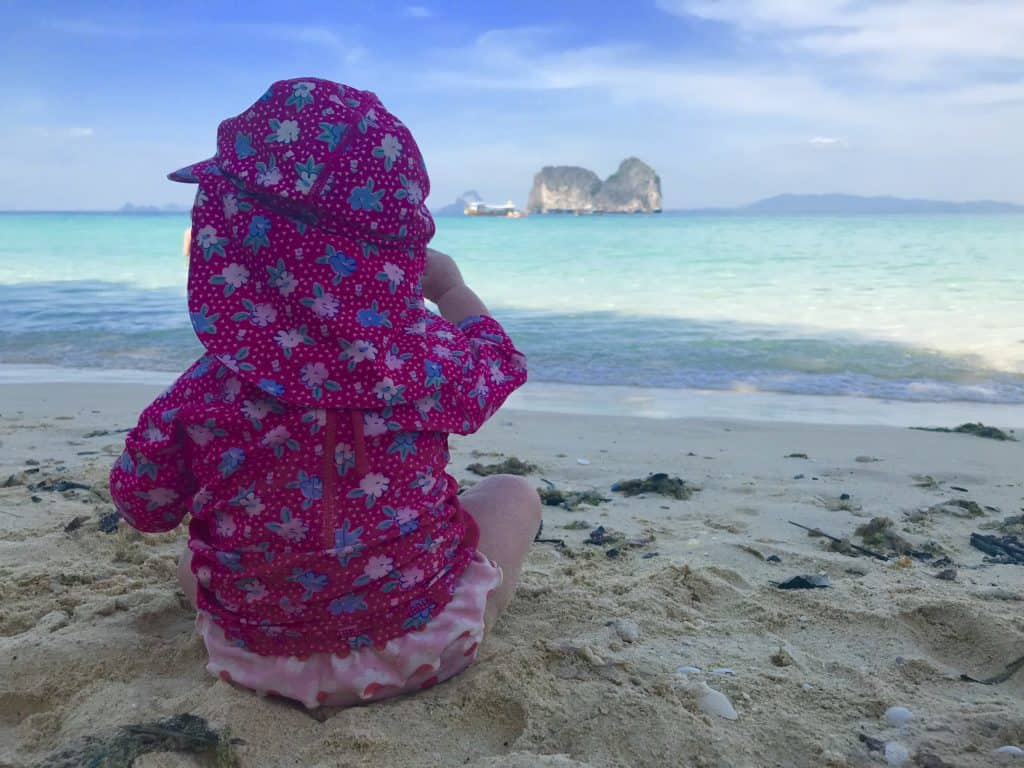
{"points": [[169, 208], [459, 206], [854, 204]]}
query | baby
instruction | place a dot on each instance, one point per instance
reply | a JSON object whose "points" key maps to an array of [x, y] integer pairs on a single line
{"points": [[330, 558]]}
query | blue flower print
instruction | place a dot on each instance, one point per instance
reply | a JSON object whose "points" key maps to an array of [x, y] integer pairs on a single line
{"points": [[311, 488], [243, 145], [332, 133], [404, 518], [369, 120], [125, 463], [308, 173], [422, 613], [404, 444], [204, 322], [231, 560], [268, 94], [428, 545], [369, 249], [202, 367], [230, 461], [257, 237], [350, 603], [311, 581], [290, 528], [302, 94], [144, 467], [372, 317], [365, 199], [435, 374], [347, 543], [271, 387], [343, 266]]}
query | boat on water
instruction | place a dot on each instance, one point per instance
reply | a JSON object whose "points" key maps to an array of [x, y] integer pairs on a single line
{"points": [[508, 210]]}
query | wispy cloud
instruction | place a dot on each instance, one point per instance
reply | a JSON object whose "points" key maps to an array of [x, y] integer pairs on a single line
{"points": [[72, 132], [909, 40], [418, 12]]}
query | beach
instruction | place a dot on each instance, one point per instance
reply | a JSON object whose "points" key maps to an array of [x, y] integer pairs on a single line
{"points": [[600, 659]]}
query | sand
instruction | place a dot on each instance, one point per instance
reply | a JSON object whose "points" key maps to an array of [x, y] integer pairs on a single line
{"points": [[582, 670]]}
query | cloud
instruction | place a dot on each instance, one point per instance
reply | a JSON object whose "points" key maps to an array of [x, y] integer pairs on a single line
{"points": [[527, 59], [418, 12], [912, 40], [824, 141], [73, 132]]}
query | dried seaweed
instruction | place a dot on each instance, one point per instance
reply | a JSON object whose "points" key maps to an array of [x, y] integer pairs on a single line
{"points": [[510, 466], [556, 497], [971, 428], [659, 482]]}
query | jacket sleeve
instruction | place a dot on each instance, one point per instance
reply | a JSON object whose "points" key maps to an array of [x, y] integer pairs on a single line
{"points": [[150, 483], [473, 368]]}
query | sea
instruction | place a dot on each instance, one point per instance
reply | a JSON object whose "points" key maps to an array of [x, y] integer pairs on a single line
{"points": [[851, 309]]}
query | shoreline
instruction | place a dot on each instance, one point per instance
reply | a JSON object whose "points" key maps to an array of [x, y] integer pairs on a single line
{"points": [[641, 402]]}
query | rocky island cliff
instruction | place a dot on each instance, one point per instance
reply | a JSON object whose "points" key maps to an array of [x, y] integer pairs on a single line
{"points": [[633, 188]]}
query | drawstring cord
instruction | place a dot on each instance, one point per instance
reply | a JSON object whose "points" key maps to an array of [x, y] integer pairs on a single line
{"points": [[359, 438]]}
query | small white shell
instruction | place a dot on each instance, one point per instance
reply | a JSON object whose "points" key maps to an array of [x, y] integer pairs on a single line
{"points": [[687, 671], [716, 703], [583, 462], [896, 753], [722, 671], [898, 716], [1010, 749]]}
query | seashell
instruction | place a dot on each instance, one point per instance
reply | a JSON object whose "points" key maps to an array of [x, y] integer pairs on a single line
{"points": [[896, 753], [898, 716], [583, 462], [716, 703], [687, 671], [1010, 749], [721, 671]]}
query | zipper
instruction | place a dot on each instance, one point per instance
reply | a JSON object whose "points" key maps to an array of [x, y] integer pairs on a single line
{"points": [[329, 476]]}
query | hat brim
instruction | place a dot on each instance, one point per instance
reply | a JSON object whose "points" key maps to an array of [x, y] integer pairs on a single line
{"points": [[190, 173]]}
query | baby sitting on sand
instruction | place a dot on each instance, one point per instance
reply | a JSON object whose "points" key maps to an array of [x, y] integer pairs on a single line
{"points": [[330, 558]]}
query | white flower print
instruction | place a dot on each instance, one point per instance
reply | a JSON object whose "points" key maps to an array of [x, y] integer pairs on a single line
{"points": [[285, 282], [361, 350], [255, 409], [255, 591], [269, 177], [235, 275], [324, 306], [161, 497], [314, 374], [251, 504], [200, 435], [386, 390], [263, 315], [390, 147], [203, 575], [275, 437], [207, 237], [377, 567], [414, 192], [288, 339], [417, 329], [442, 352], [343, 454], [394, 272], [405, 515], [225, 525], [393, 361], [153, 434], [410, 577], [231, 389], [445, 335], [230, 206], [374, 424], [288, 131], [374, 485]]}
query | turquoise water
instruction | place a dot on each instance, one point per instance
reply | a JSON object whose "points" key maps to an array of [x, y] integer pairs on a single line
{"points": [[905, 307]]}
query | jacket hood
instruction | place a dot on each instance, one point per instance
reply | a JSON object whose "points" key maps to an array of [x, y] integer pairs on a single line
{"points": [[309, 235]]}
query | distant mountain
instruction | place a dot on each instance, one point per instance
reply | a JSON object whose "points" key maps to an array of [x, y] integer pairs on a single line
{"points": [[853, 204], [169, 208], [459, 206], [633, 188]]}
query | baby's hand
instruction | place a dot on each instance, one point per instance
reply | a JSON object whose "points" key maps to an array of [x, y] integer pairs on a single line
{"points": [[443, 285], [440, 275]]}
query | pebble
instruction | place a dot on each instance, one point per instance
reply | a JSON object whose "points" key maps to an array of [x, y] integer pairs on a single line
{"points": [[896, 753], [722, 671], [898, 716], [589, 655], [716, 703], [687, 671], [1010, 749], [53, 621], [627, 629], [583, 462]]}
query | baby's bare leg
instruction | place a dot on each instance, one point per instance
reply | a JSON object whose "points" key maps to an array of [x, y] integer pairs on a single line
{"points": [[507, 509], [185, 576]]}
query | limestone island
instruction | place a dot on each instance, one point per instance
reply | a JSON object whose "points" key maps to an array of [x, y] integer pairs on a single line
{"points": [[633, 188]]}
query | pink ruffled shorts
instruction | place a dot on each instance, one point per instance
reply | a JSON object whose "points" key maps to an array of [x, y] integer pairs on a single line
{"points": [[408, 663]]}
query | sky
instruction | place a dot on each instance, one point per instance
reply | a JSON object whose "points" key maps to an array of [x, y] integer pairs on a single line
{"points": [[729, 100]]}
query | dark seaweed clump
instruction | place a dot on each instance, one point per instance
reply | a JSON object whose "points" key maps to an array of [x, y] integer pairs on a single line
{"points": [[120, 747], [659, 482], [510, 466], [977, 429], [555, 497]]}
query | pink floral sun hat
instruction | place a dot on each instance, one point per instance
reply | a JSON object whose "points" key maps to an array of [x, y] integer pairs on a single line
{"points": [[309, 234]]}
